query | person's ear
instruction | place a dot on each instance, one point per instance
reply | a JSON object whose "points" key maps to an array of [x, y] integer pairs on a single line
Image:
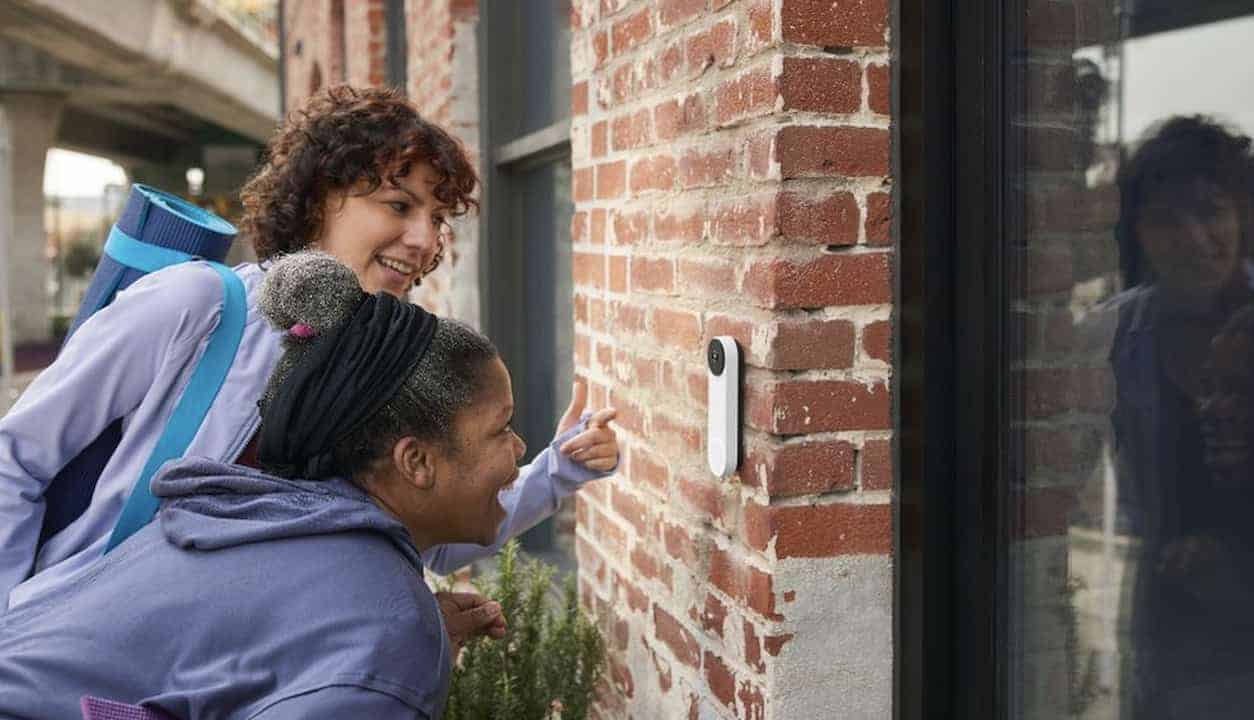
{"points": [[415, 461]]}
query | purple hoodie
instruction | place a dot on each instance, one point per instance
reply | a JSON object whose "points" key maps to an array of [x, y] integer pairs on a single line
{"points": [[250, 596]]}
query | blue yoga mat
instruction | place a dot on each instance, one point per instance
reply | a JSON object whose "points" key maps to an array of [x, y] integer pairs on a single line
{"points": [[157, 218]]}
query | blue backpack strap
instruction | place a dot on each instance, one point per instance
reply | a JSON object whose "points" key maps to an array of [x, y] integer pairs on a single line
{"points": [[192, 407]]}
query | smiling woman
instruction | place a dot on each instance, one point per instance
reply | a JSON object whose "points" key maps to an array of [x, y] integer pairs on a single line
{"points": [[385, 431]]}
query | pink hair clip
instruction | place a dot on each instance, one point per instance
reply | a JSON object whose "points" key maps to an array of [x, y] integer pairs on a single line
{"points": [[301, 330]]}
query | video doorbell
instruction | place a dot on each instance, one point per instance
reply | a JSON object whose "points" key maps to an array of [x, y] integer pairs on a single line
{"points": [[722, 361]]}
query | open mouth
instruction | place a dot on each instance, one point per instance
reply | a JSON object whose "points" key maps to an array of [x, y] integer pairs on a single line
{"points": [[398, 266]]}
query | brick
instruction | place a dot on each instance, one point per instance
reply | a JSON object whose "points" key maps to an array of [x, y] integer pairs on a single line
{"points": [[618, 273], [579, 227], [714, 276], [611, 180], [679, 329], [653, 173], [702, 495], [677, 12], [811, 344], [743, 582], [876, 460], [762, 24], [713, 47], [636, 599], [628, 318], [630, 509], [1053, 149], [597, 223], [1043, 512], [630, 131], [674, 433], [630, 228], [647, 469], [605, 358], [680, 545], [877, 341], [878, 219], [582, 185], [802, 469], [579, 98], [796, 407], [648, 566], [758, 156], [713, 615], [610, 535], [720, 679], [740, 329], [748, 95], [579, 306], [676, 637], [829, 220], [879, 96], [674, 118], [814, 531], [601, 47], [596, 317], [753, 648], [746, 221], [591, 561], [664, 677], [630, 416], [704, 167], [824, 85], [588, 269], [669, 63], [1049, 392], [846, 24], [752, 701], [582, 351], [685, 225], [631, 31], [864, 279], [774, 644], [805, 151], [600, 134]]}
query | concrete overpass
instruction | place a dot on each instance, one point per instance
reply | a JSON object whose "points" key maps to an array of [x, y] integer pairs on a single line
{"points": [[157, 85]]}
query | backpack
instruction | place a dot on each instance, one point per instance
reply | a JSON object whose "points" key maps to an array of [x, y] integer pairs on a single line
{"points": [[155, 230]]}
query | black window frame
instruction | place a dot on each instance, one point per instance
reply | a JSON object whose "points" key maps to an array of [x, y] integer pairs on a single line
{"points": [[508, 156], [954, 79]]}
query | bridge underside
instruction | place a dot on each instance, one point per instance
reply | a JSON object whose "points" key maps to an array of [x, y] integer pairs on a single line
{"points": [[158, 86]]}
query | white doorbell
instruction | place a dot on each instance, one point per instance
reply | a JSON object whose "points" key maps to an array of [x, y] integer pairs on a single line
{"points": [[722, 361]]}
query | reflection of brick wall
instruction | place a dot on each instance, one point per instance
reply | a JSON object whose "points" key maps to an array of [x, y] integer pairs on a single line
{"points": [[1061, 388], [731, 176]]}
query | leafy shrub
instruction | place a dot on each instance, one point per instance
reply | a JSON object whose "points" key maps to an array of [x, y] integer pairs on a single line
{"points": [[547, 665]]}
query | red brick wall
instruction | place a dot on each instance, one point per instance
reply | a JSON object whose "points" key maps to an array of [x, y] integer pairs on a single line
{"points": [[732, 176], [366, 42]]}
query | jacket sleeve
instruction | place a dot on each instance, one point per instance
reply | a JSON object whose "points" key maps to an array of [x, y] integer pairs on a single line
{"points": [[103, 373], [535, 496], [340, 701]]}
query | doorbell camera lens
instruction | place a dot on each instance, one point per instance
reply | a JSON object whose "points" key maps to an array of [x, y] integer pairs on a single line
{"points": [[716, 357]]}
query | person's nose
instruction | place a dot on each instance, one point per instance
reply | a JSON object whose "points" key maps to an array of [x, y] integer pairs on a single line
{"points": [[422, 237]]}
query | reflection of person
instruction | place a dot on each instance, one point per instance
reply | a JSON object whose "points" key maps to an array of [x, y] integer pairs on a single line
{"points": [[1184, 234], [296, 590], [356, 173]]}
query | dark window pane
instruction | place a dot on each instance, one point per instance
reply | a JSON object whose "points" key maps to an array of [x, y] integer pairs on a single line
{"points": [[1131, 361]]}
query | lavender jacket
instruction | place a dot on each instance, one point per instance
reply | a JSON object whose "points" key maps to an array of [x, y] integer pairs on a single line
{"points": [[132, 360]]}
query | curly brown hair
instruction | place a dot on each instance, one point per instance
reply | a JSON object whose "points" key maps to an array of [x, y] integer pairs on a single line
{"points": [[338, 138]]}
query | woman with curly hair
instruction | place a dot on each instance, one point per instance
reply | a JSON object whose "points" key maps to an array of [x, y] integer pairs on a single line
{"points": [[357, 173]]}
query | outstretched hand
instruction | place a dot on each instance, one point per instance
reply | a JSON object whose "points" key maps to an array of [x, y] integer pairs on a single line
{"points": [[596, 448], [469, 615]]}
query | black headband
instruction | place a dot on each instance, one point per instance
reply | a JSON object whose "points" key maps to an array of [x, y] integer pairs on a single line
{"points": [[346, 377]]}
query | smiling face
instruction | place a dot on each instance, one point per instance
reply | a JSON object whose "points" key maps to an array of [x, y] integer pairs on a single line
{"points": [[477, 462], [1192, 237], [389, 237]]}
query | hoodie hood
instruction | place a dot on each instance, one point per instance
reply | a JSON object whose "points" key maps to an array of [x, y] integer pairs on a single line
{"points": [[209, 505]]}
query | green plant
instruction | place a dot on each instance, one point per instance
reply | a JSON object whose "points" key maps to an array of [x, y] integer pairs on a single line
{"points": [[547, 665]]}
